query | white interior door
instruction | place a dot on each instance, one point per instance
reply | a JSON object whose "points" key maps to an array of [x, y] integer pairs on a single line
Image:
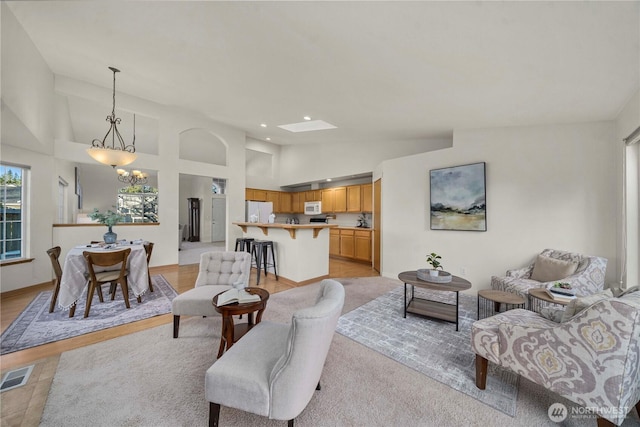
{"points": [[218, 219]]}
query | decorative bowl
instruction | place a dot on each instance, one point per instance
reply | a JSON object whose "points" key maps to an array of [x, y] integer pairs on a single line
{"points": [[426, 275]]}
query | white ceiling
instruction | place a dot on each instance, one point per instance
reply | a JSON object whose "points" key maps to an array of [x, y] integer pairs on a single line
{"points": [[379, 71]]}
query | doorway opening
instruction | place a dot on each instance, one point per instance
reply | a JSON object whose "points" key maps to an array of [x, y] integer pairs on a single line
{"points": [[212, 216]]}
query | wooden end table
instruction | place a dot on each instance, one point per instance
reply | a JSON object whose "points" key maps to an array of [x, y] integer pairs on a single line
{"points": [[232, 333], [498, 298], [538, 299], [435, 309]]}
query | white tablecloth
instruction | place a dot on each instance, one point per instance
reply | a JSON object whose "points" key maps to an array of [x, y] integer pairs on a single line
{"points": [[75, 273]]}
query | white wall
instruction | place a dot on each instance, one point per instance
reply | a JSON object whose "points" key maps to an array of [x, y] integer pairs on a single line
{"points": [[27, 136], [313, 162], [547, 187], [260, 172]]}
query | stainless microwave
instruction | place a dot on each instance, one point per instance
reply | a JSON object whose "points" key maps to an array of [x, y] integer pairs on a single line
{"points": [[312, 208]]}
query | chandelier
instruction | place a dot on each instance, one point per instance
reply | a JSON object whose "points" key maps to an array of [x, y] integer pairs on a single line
{"points": [[135, 177], [112, 154]]}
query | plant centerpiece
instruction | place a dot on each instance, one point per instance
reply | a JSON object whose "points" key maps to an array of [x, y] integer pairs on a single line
{"points": [[432, 274], [108, 218]]}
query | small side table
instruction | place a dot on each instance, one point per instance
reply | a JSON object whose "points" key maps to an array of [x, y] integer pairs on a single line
{"points": [[538, 299], [232, 333], [490, 300]]}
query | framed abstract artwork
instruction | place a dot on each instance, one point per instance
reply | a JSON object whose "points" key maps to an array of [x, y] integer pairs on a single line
{"points": [[458, 198]]}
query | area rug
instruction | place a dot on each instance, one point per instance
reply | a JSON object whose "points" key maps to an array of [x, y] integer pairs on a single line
{"points": [[431, 347], [150, 379], [36, 326]]}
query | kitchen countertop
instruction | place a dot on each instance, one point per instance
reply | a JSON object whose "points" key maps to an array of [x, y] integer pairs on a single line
{"points": [[291, 228], [342, 227]]}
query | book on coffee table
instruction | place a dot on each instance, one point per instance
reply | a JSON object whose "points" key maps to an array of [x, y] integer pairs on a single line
{"points": [[236, 295], [559, 296]]}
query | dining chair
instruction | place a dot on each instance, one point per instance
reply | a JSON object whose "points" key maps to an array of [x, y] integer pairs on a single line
{"points": [[54, 256], [97, 279], [148, 248]]}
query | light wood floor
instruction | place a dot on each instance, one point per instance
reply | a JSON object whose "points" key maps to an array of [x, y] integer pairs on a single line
{"points": [[23, 406]]}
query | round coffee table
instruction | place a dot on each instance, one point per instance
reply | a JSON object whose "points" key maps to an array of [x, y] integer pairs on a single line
{"points": [[431, 308], [488, 296], [232, 333], [538, 299]]}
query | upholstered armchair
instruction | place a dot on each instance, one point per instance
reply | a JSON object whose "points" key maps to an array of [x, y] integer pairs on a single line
{"points": [[592, 358], [584, 273], [275, 369], [218, 272]]}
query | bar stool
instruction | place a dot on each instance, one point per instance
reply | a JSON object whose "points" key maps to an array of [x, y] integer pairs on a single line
{"points": [[244, 244], [260, 253]]}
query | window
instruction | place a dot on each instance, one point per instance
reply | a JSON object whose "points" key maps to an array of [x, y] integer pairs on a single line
{"points": [[138, 203], [11, 211]]}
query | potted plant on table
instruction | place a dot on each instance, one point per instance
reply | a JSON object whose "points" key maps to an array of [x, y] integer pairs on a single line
{"points": [[434, 259], [108, 218]]}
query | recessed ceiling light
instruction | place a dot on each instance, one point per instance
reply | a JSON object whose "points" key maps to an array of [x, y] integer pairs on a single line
{"points": [[307, 118], [268, 139], [307, 126], [328, 179], [264, 125]]}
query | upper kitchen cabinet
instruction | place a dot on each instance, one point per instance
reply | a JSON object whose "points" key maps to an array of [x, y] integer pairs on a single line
{"points": [[312, 195], [340, 199], [354, 198], [367, 197], [256, 195], [334, 200], [274, 197], [297, 202], [326, 197], [285, 204]]}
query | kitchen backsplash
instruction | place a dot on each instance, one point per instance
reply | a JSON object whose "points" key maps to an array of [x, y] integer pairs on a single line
{"points": [[342, 219]]}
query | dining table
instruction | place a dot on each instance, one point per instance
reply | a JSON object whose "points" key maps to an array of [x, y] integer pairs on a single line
{"points": [[75, 273]]}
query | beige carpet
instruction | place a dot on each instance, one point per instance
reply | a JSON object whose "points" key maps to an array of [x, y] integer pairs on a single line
{"points": [[150, 379]]}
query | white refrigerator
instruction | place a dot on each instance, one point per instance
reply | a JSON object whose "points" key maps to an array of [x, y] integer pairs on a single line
{"points": [[258, 211]]}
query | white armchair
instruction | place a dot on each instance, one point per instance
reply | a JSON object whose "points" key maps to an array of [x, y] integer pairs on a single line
{"points": [[219, 271], [274, 369], [588, 277]]}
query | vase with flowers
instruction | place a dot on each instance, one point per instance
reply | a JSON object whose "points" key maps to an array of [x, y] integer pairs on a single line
{"points": [[108, 218]]}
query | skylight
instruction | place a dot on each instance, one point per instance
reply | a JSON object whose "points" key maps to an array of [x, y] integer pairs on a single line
{"points": [[307, 126]]}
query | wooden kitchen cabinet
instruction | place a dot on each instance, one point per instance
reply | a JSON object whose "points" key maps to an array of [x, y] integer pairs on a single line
{"points": [[362, 245], [347, 243], [312, 195], [339, 199], [297, 202], [367, 197], [259, 195], [334, 242], [354, 197], [326, 197], [350, 243], [274, 197], [285, 204]]}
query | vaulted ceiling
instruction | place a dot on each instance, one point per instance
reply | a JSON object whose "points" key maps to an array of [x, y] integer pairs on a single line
{"points": [[379, 71]]}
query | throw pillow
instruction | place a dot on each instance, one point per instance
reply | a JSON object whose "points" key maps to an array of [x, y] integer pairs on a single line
{"points": [[578, 304], [547, 269]]}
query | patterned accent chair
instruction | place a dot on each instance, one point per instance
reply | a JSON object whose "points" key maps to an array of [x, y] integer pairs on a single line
{"points": [[592, 359], [587, 279]]}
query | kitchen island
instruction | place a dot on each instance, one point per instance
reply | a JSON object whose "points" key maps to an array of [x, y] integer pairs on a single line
{"points": [[302, 250]]}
